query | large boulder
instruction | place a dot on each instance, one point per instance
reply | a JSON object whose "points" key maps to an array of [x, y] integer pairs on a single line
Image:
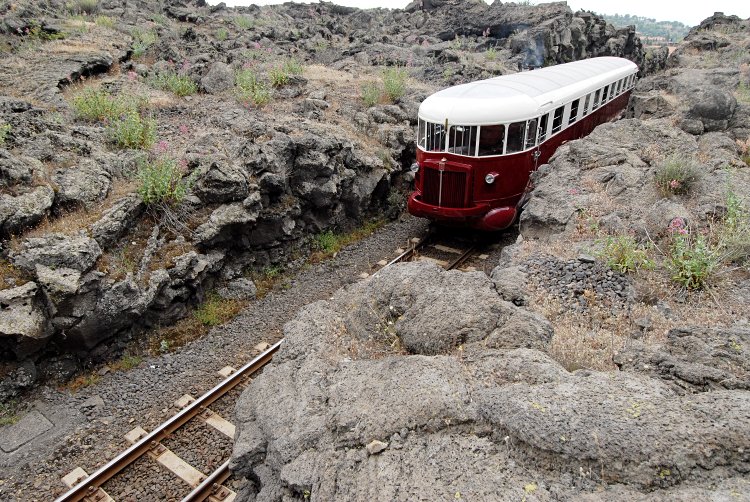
{"points": [[24, 320], [22, 211], [84, 184], [351, 407], [78, 252], [220, 77]]}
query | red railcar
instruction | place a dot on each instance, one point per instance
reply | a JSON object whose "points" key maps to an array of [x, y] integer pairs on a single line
{"points": [[478, 143]]}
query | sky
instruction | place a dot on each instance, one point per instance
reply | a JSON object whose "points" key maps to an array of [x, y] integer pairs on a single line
{"points": [[690, 12]]}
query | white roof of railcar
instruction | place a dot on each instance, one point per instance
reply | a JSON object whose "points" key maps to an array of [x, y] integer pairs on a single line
{"points": [[522, 95]]}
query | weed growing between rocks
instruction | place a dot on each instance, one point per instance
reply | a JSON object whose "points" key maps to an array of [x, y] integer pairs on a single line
{"points": [[744, 149], [394, 83], [327, 244], [222, 34], [244, 22], [4, 130], [132, 130], [742, 93], [180, 85], [87, 7], [105, 22], [691, 260], [9, 413], [142, 41], [624, 254], [216, 310], [98, 105], [370, 93], [249, 88], [267, 279], [212, 312], [491, 54], [677, 175]]}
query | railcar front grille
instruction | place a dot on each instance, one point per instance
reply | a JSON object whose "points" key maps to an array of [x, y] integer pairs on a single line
{"points": [[451, 192]]}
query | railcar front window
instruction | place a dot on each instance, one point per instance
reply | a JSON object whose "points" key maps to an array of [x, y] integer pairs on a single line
{"points": [[421, 134], [531, 133], [543, 127], [574, 111], [557, 120], [516, 132], [434, 137], [491, 139], [462, 140]]}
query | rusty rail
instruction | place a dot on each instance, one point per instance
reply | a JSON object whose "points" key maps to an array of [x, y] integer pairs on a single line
{"points": [[117, 464]]}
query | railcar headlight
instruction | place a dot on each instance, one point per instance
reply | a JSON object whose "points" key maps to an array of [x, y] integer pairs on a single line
{"points": [[490, 178], [414, 168]]}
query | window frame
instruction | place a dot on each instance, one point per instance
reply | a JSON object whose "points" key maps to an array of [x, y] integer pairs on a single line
{"points": [[574, 110]]}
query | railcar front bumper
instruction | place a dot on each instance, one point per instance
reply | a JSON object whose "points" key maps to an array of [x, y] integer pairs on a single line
{"points": [[481, 216]]}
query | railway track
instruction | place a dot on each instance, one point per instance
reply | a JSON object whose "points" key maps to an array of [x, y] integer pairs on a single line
{"points": [[211, 486]]}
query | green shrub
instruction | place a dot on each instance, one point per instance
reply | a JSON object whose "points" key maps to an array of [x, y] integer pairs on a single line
{"points": [[83, 7], [131, 130], [327, 242], [4, 130], [250, 88], [293, 67], [98, 104], [181, 85], [244, 22], [691, 260], [370, 93], [734, 233], [491, 54], [743, 93], [394, 83], [279, 76], [161, 182], [216, 310], [677, 175], [105, 21], [623, 254], [222, 34], [142, 40]]}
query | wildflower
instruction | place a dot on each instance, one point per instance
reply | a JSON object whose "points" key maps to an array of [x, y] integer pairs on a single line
{"points": [[161, 147], [256, 46], [674, 184], [574, 191], [132, 76], [183, 163], [183, 129], [677, 226]]}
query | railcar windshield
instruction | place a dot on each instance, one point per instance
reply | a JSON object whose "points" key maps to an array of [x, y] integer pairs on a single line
{"points": [[431, 136]]}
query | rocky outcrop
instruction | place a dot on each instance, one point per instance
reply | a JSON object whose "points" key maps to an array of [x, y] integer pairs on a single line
{"points": [[22, 211], [352, 407], [618, 161]]}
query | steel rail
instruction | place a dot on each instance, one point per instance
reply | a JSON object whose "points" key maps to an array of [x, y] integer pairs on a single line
{"points": [[410, 252], [208, 485], [137, 450], [461, 259]]}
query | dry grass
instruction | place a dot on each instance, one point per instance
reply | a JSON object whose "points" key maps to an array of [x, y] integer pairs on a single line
{"points": [[214, 311], [10, 276], [165, 256]]}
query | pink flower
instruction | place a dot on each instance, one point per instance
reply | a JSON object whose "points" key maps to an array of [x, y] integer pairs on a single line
{"points": [[183, 163], [132, 76], [674, 184], [573, 191], [256, 45], [161, 147], [183, 129], [678, 226]]}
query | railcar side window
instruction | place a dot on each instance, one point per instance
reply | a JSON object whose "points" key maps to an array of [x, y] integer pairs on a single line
{"points": [[596, 100], [531, 133], [612, 92], [543, 127], [604, 94], [586, 103], [462, 140], [574, 111], [516, 132], [434, 137], [491, 139], [619, 86], [557, 120]]}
